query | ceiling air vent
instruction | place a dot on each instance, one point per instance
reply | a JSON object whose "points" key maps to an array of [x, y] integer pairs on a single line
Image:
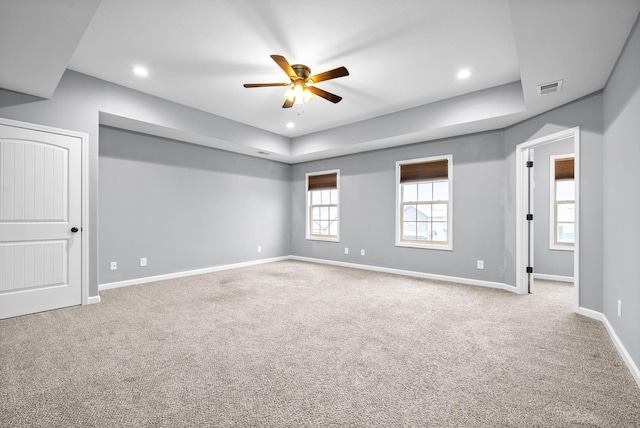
{"points": [[550, 87]]}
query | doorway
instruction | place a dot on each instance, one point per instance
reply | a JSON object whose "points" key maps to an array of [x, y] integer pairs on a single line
{"points": [[43, 227], [527, 214]]}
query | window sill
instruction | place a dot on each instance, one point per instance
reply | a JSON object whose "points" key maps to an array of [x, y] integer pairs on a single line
{"points": [[321, 238], [443, 247], [561, 247]]}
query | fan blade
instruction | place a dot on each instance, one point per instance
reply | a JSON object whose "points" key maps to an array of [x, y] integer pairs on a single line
{"points": [[263, 85], [331, 74], [285, 66], [287, 104], [324, 94]]}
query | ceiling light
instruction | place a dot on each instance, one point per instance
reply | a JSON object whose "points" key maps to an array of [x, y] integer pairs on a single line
{"points": [[140, 71], [290, 125], [463, 74]]}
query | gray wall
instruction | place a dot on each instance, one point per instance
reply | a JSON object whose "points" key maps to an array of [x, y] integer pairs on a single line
{"points": [[622, 196], [368, 209], [586, 113], [185, 207], [547, 261]]}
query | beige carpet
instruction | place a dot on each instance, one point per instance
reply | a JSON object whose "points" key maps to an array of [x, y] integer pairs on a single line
{"points": [[293, 344]]}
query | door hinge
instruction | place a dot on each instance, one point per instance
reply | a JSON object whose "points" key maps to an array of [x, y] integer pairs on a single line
{"points": [[529, 216], [529, 269], [529, 164]]}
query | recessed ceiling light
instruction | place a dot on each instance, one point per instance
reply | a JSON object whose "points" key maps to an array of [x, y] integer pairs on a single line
{"points": [[140, 71], [463, 74], [290, 125]]}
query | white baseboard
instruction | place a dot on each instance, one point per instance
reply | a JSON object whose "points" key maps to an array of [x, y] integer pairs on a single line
{"points": [[456, 279], [144, 280], [622, 350], [546, 277], [93, 299], [589, 313], [182, 274]]}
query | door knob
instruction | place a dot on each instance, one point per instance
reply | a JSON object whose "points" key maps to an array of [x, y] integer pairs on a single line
{"points": [[74, 229]]}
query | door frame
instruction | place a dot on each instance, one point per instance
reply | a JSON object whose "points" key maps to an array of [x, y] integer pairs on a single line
{"points": [[522, 243], [84, 184]]}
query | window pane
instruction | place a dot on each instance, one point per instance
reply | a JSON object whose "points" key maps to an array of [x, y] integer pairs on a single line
{"points": [[333, 228], [333, 213], [409, 230], [565, 190], [316, 198], [425, 191], [409, 192], [439, 231], [424, 212], [315, 213], [439, 212], [565, 233], [315, 228], [409, 213], [324, 213], [441, 191], [566, 213], [326, 196], [423, 232], [333, 195]]}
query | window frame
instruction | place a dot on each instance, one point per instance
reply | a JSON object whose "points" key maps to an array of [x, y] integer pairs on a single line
{"points": [[553, 204], [308, 220], [448, 245]]}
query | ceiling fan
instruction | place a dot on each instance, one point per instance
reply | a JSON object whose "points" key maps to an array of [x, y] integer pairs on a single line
{"points": [[301, 87]]}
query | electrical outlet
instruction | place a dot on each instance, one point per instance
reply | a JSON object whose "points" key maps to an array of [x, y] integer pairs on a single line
{"points": [[114, 265], [620, 308], [346, 250], [259, 249], [143, 261], [480, 264], [362, 252]]}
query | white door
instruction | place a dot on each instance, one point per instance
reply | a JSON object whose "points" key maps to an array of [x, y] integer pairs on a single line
{"points": [[40, 221]]}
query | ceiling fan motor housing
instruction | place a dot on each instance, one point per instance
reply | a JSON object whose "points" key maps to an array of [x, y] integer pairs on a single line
{"points": [[302, 71]]}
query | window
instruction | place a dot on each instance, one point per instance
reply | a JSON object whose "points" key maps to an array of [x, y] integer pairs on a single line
{"points": [[322, 205], [562, 216], [424, 202]]}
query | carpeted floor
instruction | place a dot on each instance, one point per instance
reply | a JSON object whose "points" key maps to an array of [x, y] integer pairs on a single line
{"points": [[294, 344]]}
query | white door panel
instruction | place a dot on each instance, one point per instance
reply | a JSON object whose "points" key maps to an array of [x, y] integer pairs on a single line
{"points": [[40, 203]]}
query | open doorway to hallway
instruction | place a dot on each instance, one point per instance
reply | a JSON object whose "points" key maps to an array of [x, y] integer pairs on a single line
{"points": [[547, 216], [553, 191]]}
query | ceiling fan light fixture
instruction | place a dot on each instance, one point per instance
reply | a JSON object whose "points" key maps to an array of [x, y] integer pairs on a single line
{"points": [[290, 94], [298, 92], [307, 95]]}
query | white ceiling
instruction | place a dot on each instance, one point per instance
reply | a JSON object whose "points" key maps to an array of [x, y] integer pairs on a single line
{"points": [[402, 55]]}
